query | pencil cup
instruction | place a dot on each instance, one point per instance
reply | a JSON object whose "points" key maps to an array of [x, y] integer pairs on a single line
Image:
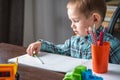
{"points": [[100, 57]]}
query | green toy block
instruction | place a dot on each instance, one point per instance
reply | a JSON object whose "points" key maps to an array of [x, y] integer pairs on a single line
{"points": [[77, 76], [68, 76], [79, 69]]}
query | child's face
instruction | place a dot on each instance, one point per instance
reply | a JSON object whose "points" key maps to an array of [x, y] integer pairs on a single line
{"points": [[79, 22]]}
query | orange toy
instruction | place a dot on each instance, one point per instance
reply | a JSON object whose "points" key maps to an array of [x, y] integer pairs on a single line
{"points": [[8, 71]]}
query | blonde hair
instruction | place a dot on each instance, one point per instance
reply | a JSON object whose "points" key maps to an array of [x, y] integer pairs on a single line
{"points": [[88, 7]]}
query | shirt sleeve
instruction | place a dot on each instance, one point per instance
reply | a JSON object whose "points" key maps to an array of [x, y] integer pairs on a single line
{"points": [[114, 50], [63, 49]]}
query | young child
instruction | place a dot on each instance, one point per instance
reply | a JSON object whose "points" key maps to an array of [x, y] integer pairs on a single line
{"points": [[82, 14]]}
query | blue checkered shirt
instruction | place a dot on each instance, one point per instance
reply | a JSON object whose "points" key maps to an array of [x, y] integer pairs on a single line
{"points": [[80, 47]]}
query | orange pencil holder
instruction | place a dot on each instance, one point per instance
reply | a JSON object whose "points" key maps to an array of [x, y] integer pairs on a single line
{"points": [[100, 57]]}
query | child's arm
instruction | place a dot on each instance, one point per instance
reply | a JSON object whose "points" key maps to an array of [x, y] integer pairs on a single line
{"points": [[114, 49], [59, 49]]}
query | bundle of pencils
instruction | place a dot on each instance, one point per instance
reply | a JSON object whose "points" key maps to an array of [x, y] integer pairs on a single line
{"points": [[96, 41]]}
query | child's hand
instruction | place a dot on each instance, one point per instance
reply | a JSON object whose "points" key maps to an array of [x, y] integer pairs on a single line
{"points": [[33, 47]]}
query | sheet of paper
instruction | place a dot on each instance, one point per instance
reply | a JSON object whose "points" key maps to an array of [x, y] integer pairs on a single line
{"points": [[52, 61]]}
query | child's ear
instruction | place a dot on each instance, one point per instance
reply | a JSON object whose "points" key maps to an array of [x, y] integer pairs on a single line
{"points": [[96, 19]]}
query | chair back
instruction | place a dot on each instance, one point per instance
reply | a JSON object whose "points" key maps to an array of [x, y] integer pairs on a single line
{"points": [[114, 24]]}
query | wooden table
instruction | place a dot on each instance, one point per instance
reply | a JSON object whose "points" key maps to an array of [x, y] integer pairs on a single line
{"points": [[8, 51]]}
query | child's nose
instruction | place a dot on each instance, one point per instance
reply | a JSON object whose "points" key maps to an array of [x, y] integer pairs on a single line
{"points": [[73, 25]]}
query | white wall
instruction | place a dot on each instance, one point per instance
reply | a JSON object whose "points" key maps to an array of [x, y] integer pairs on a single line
{"points": [[46, 19], [28, 23], [63, 29]]}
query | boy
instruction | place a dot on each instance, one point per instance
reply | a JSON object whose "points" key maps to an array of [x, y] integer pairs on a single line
{"points": [[82, 13]]}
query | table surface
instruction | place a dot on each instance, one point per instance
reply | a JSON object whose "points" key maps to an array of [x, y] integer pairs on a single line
{"points": [[8, 51]]}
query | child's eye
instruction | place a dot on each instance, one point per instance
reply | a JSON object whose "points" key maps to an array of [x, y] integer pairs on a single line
{"points": [[75, 21]]}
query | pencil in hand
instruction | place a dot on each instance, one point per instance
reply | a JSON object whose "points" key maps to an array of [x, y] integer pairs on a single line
{"points": [[35, 55]]}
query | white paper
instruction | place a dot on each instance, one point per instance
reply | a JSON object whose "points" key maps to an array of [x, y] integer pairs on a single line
{"points": [[52, 61]]}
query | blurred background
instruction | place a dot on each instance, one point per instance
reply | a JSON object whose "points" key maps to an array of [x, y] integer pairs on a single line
{"points": [[25, 21], [48, 20]]}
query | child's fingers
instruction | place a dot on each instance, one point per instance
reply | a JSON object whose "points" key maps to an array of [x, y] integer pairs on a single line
{"points": [[30, 50], [33, 48]]}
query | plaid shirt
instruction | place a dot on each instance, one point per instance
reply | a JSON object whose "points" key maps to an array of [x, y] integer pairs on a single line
{"points": [[80, 47]]}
